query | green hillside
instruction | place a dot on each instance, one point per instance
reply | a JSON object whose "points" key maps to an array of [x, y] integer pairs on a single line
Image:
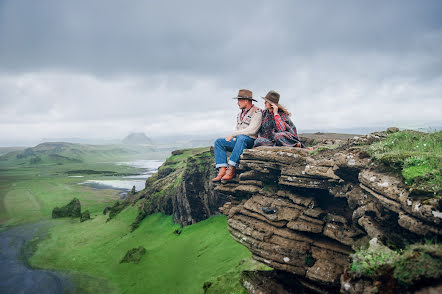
{"points": [[173, 263]]}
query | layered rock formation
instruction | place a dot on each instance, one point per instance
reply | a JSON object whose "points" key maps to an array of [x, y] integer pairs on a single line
{"points": [[304, 212], [181, 188]]}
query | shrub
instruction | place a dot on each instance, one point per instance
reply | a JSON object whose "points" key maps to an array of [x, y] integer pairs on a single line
{"points": [[72, 209]]}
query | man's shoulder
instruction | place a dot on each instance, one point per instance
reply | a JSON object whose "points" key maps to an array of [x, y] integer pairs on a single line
{"points": [[257, 109]]}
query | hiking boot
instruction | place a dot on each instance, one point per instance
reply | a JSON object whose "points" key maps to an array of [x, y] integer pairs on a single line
{"points": [[221, 173], [230, 174]]}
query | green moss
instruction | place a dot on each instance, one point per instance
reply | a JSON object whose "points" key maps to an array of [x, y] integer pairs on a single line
{"points": [[369, 261], [324, 147], [415, 264], [418, 263], [417, 156], [230, 282]]}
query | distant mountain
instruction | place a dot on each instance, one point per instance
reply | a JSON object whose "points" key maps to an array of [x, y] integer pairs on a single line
{"points": [[62, 152], [137, 139]]}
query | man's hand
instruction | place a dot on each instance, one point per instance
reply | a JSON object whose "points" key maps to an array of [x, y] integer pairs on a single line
{"points": [[229, 138]]}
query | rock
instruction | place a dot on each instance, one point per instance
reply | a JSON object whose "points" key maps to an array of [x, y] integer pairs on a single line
{"points": [[392, 130], [134, 255], [416, 226], [107, 209], [270, 282], [303, 213], [72, 209], [182, 188], [85, 215]]}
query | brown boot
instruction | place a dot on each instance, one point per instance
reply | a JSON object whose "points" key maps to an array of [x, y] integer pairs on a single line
{"points": [[230, 174], [221, 173]]}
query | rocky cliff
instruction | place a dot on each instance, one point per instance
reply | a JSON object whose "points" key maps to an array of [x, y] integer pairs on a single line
{"points": [[181, 188], [306, 212]]}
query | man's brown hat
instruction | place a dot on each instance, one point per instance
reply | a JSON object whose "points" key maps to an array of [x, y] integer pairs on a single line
{"points": [[245, 94], [272, 97]]}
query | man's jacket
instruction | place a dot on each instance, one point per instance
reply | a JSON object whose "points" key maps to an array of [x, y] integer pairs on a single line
{"points": [[249, 124]]}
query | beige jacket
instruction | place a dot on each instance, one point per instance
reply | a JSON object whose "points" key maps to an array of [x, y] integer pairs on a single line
{"points": [[250, 123]]}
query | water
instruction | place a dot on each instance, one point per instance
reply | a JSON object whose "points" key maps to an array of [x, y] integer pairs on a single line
{"points": [[148, 168], [16, 276]]}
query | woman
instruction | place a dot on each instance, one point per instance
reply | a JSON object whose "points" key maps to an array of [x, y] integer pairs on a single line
{"points": [[276, 128]]}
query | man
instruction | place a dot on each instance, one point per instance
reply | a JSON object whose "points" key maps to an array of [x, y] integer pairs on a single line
{"points": [[247, 126]]}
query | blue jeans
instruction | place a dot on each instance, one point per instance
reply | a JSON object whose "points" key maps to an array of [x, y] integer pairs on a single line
{"points": [[237, 147]]}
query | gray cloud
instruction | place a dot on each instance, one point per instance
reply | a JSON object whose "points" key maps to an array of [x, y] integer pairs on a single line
{"points": [[120, 66]]}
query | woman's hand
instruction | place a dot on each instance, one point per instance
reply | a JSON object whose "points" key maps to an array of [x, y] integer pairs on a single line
{"points": [[275, 108]]}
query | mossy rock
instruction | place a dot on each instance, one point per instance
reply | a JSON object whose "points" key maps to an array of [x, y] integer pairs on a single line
{"points": [[107, 209], [85, 215], [72, 209], [134, 255], [164, 172], [178, 152], [116, 209]]}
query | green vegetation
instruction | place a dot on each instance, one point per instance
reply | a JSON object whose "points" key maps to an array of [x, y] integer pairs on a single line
{"points": [[72, 209], [182, 165], [415, 264], [29, 193], [370, 261], [177, 260], [134, 255], [179, 158], [60, 153], [325, 147], [417, 156], [173, 263], [230, 282]]}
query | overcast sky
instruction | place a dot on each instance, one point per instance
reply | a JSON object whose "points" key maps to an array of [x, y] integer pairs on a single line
{"points": [[102, 69]]}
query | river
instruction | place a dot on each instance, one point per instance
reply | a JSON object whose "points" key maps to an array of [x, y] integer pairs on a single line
{"points": [[125, 184], [16, 276]]}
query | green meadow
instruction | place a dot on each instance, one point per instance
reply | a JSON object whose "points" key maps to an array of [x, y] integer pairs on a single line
{"points": [[172, 263], [29, 193], [90, 252]]}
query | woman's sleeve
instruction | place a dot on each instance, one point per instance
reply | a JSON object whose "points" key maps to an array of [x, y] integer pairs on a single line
{"points": [[280, 124]]}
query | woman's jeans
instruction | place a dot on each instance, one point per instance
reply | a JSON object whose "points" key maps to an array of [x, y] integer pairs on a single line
{"points": [[237, 147]]}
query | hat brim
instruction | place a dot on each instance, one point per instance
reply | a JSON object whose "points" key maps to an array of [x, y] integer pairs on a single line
{"points": [[244, 98], [277, 104]]}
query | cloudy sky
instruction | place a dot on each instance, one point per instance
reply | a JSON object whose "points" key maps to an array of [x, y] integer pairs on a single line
{"points": [[102, 69]]}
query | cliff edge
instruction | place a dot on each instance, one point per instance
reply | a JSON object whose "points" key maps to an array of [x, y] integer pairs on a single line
{"points": [[306, 213]]}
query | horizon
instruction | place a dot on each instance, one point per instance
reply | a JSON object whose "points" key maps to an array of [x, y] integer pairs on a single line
{"points": [[194, 137]]}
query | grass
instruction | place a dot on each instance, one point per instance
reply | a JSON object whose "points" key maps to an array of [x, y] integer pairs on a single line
{"points": [[29, 193], [324, 147], [91, 251], [179, 159], [172, 263], [417, 156]]}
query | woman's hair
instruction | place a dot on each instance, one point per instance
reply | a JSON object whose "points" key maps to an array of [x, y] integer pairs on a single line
{"points": [[282, 108]]}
